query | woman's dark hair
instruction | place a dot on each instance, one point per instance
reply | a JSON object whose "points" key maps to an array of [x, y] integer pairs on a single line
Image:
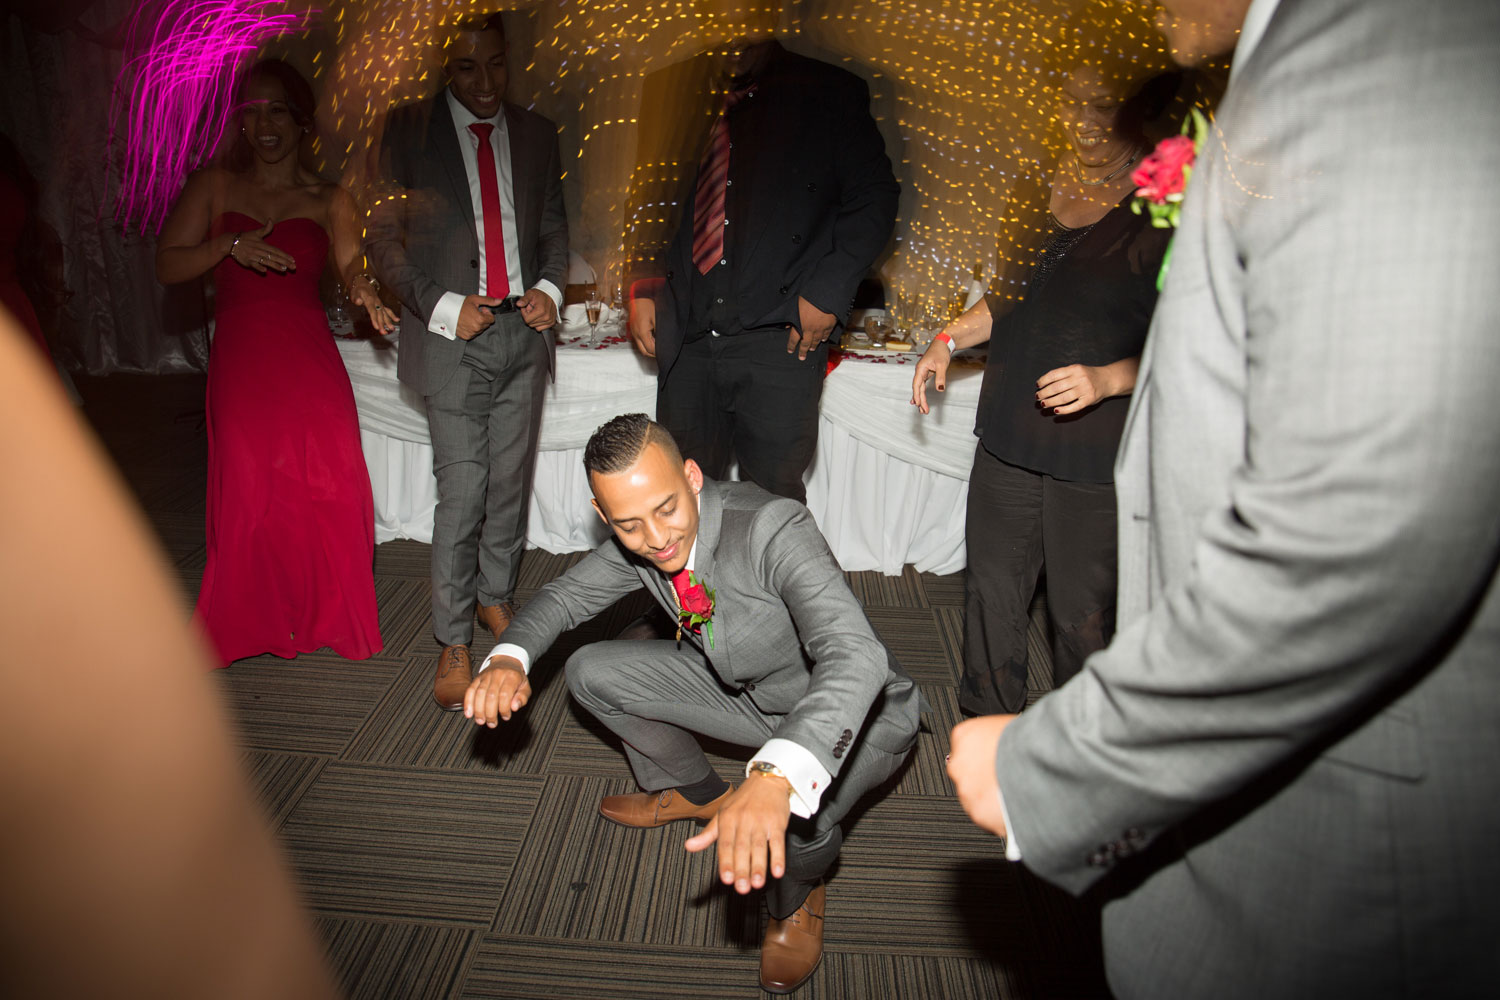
{"points": [[299, 94], [299, 101]]}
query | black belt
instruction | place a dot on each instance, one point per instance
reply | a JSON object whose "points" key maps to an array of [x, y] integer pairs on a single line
{"points": [[506, 306]]}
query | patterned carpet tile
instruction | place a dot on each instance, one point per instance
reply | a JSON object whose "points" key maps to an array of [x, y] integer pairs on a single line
{"points": [[926, 770], [946, 591], [407, 728], [580, 876], [405, 608], [406, 844], [526, 968], [917, 877], [875, 590], [378, 960], [901, 977], [914, 636], [312, 704], [405, 558], [281, 779]]}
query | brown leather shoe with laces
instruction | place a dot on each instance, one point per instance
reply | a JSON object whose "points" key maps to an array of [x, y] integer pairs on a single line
{"points": [[793, 947], [453, 676], [497, 617], [647, 810]]}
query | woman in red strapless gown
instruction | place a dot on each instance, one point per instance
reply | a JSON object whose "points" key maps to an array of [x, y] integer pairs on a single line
{"points": [[290, 519]]}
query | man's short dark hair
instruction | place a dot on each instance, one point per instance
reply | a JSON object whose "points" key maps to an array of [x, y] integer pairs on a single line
{"points": [[616, 445], [479, 22]]}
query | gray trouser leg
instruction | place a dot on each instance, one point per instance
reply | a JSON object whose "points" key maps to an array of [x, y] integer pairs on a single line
{"points": [[654, 696], [484, 424]]}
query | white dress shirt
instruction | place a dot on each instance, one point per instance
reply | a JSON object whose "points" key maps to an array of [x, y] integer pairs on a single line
{"points": [[444, 319], [808, 778]]}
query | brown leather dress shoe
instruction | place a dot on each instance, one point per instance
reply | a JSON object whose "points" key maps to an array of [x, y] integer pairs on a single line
{"points": [[647, 810], [793, 947], [497, 617], [453, 677]]}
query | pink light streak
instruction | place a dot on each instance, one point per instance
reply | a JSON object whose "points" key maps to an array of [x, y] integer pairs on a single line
{"points": [[172, 101]]}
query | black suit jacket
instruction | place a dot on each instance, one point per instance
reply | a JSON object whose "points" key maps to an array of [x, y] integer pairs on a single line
{"points": [[423, 240], [812, 199]]}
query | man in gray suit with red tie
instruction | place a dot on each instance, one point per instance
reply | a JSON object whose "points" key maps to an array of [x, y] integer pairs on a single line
{"points": [[472, 235], [779, 655], [1283, 776]]}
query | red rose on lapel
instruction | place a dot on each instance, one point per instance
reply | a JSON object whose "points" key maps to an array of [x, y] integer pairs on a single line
{"points": [[1165, 172], [695, 600], [695, 605]]}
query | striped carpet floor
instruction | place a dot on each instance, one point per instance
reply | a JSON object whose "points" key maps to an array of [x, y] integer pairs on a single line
{"points": [[441, 861]]}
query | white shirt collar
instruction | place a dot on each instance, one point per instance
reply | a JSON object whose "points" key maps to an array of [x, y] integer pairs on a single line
{"points": [[1256, 19]]}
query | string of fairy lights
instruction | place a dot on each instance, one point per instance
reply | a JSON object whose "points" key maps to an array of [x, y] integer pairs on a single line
{"points": [[961, 90]]}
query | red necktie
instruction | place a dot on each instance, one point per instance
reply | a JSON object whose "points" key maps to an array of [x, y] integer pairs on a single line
{"points": [[681, 581], [713, 186], [496, 282]]}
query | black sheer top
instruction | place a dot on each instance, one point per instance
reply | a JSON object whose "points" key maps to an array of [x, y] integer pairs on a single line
{"points": [[1088, 301]]}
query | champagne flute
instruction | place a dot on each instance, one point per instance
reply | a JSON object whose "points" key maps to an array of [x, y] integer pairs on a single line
{"points": [[592, 305]]}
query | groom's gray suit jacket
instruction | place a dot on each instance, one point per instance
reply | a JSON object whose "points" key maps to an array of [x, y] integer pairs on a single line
{"points": [[788, 633], [423, 240], [1285, 770]]}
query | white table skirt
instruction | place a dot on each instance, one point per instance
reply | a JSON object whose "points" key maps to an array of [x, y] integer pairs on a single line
{"points": [[888, 486]]}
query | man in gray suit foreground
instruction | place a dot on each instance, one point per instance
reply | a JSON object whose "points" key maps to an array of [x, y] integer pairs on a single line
{"points": [[785, 661], [473, 237], [1283, 776]]}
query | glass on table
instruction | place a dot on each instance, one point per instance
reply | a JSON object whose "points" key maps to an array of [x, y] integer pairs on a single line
{"points": [[592, 305]]}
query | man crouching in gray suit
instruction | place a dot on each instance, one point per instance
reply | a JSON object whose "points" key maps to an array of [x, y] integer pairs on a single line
{"points": [[780, 656]]}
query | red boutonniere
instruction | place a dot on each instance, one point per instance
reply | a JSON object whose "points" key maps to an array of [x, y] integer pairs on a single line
{"points": [[695, 606], [1162, 178]]}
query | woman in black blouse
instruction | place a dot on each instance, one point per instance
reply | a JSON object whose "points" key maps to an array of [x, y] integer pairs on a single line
{"points": [[1062, 364]]}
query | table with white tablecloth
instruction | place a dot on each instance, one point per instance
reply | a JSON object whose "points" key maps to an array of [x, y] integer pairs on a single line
{"points": [[887, 486]]}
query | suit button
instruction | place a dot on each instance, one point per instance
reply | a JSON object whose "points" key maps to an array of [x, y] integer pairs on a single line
{"points": [[838, 752], [1098, 859], [783, 290], [750, 686], [669, 275], [796, 237], [846, 736], [811, 186], [474, 264]]}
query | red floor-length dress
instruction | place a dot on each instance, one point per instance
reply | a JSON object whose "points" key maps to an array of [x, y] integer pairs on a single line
{"points": [[291, 522]]}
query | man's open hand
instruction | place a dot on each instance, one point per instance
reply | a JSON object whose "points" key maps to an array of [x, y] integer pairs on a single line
{"points": [[751, 832]]}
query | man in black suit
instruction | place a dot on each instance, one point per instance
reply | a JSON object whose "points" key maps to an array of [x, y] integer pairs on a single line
{"points": [[787, 198], [473, 238]]}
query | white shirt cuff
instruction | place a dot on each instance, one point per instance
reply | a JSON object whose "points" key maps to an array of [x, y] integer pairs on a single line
{"points": [[507, 649], [1012, 848], [444, 321], [808, 778], [550, 290]]}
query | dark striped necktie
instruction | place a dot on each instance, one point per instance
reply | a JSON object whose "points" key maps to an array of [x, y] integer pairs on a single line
{"points": [[713, 186]]}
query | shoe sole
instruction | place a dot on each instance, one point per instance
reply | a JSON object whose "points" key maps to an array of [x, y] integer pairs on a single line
{"points": [[654, 826]]}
